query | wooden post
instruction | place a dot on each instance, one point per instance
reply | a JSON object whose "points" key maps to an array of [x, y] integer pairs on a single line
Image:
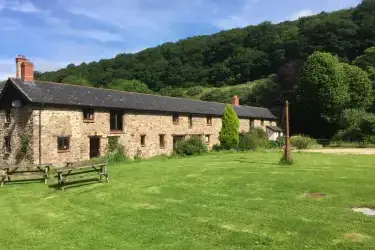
{"points": [[287, 138]]}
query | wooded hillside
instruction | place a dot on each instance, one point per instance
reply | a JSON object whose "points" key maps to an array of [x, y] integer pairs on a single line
{"points": [[275, 53]]}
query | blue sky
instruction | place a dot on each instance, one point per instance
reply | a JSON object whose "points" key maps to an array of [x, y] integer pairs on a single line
{"points": [[53, 33]]}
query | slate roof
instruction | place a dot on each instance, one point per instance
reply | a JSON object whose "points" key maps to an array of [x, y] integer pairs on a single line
{"points": [[275, 129], [73, 95]]}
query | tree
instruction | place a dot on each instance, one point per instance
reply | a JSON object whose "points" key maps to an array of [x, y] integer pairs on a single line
{"points": [[360, 87], [355, 125], [229, 136], [75, 80], [322, 93], [367, 62], [130, 85]]}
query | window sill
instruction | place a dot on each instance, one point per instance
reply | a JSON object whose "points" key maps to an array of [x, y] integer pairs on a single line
{"points": [[176, 123], [162, 147], [88, 121], [7, 153], [114, 132], [63, 151], [143, 146], [7, 123], [209, 125]]}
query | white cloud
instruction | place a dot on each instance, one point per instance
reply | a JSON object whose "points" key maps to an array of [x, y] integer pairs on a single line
{"points": [[24, 6], [239, 19], [302, 13]]}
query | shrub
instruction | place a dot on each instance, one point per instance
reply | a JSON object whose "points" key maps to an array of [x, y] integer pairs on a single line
{"points": [[194, 91], [277, 144], [229, 136], [116, 151], [248, 142], [302, 142], [217, 148], [191, 146], [256, 138]]}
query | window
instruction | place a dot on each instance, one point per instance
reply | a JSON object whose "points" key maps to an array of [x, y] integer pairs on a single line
{"points": [[190, 121], [162, 141], [209, 120], [143, 140], [176, 119], [7, 144], [63, 143], [116, 120], [7, 116], [88, 114], [252, 123], [207, 139], [262, 122]]}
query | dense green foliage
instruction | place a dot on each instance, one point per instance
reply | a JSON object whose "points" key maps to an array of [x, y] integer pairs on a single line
{"points": [[229, 136], [191, 146], [116, 151], [234, 56], [356, 126], [256, 138], [129, 85], [303, 142], [326, 87], [322, 90], [360, 87]]}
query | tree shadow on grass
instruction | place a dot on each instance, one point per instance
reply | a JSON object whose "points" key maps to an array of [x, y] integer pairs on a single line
{"points": [[258, 162], [77, 184]]}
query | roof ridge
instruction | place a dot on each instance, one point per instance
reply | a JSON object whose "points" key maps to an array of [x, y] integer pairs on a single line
{"points": [[129, 92]]}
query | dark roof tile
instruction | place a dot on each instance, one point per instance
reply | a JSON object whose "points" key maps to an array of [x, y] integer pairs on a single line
{"points": [[63, 94]]}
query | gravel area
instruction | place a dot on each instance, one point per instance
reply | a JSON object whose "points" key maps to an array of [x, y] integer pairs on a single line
{"points": [[356, 151]]}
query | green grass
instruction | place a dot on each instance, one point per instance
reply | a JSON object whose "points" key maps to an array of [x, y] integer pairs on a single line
{"points": [[216, 201]]}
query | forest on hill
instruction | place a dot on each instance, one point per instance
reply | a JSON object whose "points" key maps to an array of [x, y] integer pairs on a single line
{"points": [[264, 64]]}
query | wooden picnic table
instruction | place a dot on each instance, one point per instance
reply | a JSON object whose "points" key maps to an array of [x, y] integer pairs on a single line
{"points": [[26, 172], [76, 172]]}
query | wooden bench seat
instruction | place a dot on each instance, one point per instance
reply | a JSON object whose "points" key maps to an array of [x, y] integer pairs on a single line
{"points": [[76, 171], [24, 172]]}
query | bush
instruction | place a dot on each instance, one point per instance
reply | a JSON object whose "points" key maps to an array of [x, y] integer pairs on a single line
{"points": [[191, 146], [303, 142], [280, 143], [216, 148], [256, 138], [194, 91], [229, 136], [116, 151]]}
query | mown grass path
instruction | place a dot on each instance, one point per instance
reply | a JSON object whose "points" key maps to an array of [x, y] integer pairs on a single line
{"points": [[217, 201]]}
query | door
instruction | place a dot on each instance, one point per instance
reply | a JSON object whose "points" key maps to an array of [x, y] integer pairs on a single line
{"points": [[94, 147]]}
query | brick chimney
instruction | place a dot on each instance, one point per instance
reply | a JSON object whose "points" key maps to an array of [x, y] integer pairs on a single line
{"points": [[236, 101], [25, 68]]}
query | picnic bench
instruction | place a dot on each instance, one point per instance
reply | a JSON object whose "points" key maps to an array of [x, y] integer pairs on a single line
{"points": [[24, 172], [75, 171]]}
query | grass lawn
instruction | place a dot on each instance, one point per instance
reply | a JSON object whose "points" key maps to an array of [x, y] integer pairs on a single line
{"points": [[217, 201]]}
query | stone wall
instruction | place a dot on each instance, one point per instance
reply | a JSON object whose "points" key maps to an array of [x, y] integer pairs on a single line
{"points": [[69, 122], [20, 125]]}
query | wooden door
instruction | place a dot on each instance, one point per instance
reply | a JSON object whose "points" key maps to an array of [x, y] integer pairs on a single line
{"points": [[94, 147]]}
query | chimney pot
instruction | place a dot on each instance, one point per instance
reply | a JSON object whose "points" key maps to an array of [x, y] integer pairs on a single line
{"points": [[236, 101]]}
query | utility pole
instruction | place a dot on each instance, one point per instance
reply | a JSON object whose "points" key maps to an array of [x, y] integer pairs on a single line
{"points": [[287, 153]]}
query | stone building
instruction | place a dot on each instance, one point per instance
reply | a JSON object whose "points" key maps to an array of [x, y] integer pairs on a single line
{"points": [[57, 123]]}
